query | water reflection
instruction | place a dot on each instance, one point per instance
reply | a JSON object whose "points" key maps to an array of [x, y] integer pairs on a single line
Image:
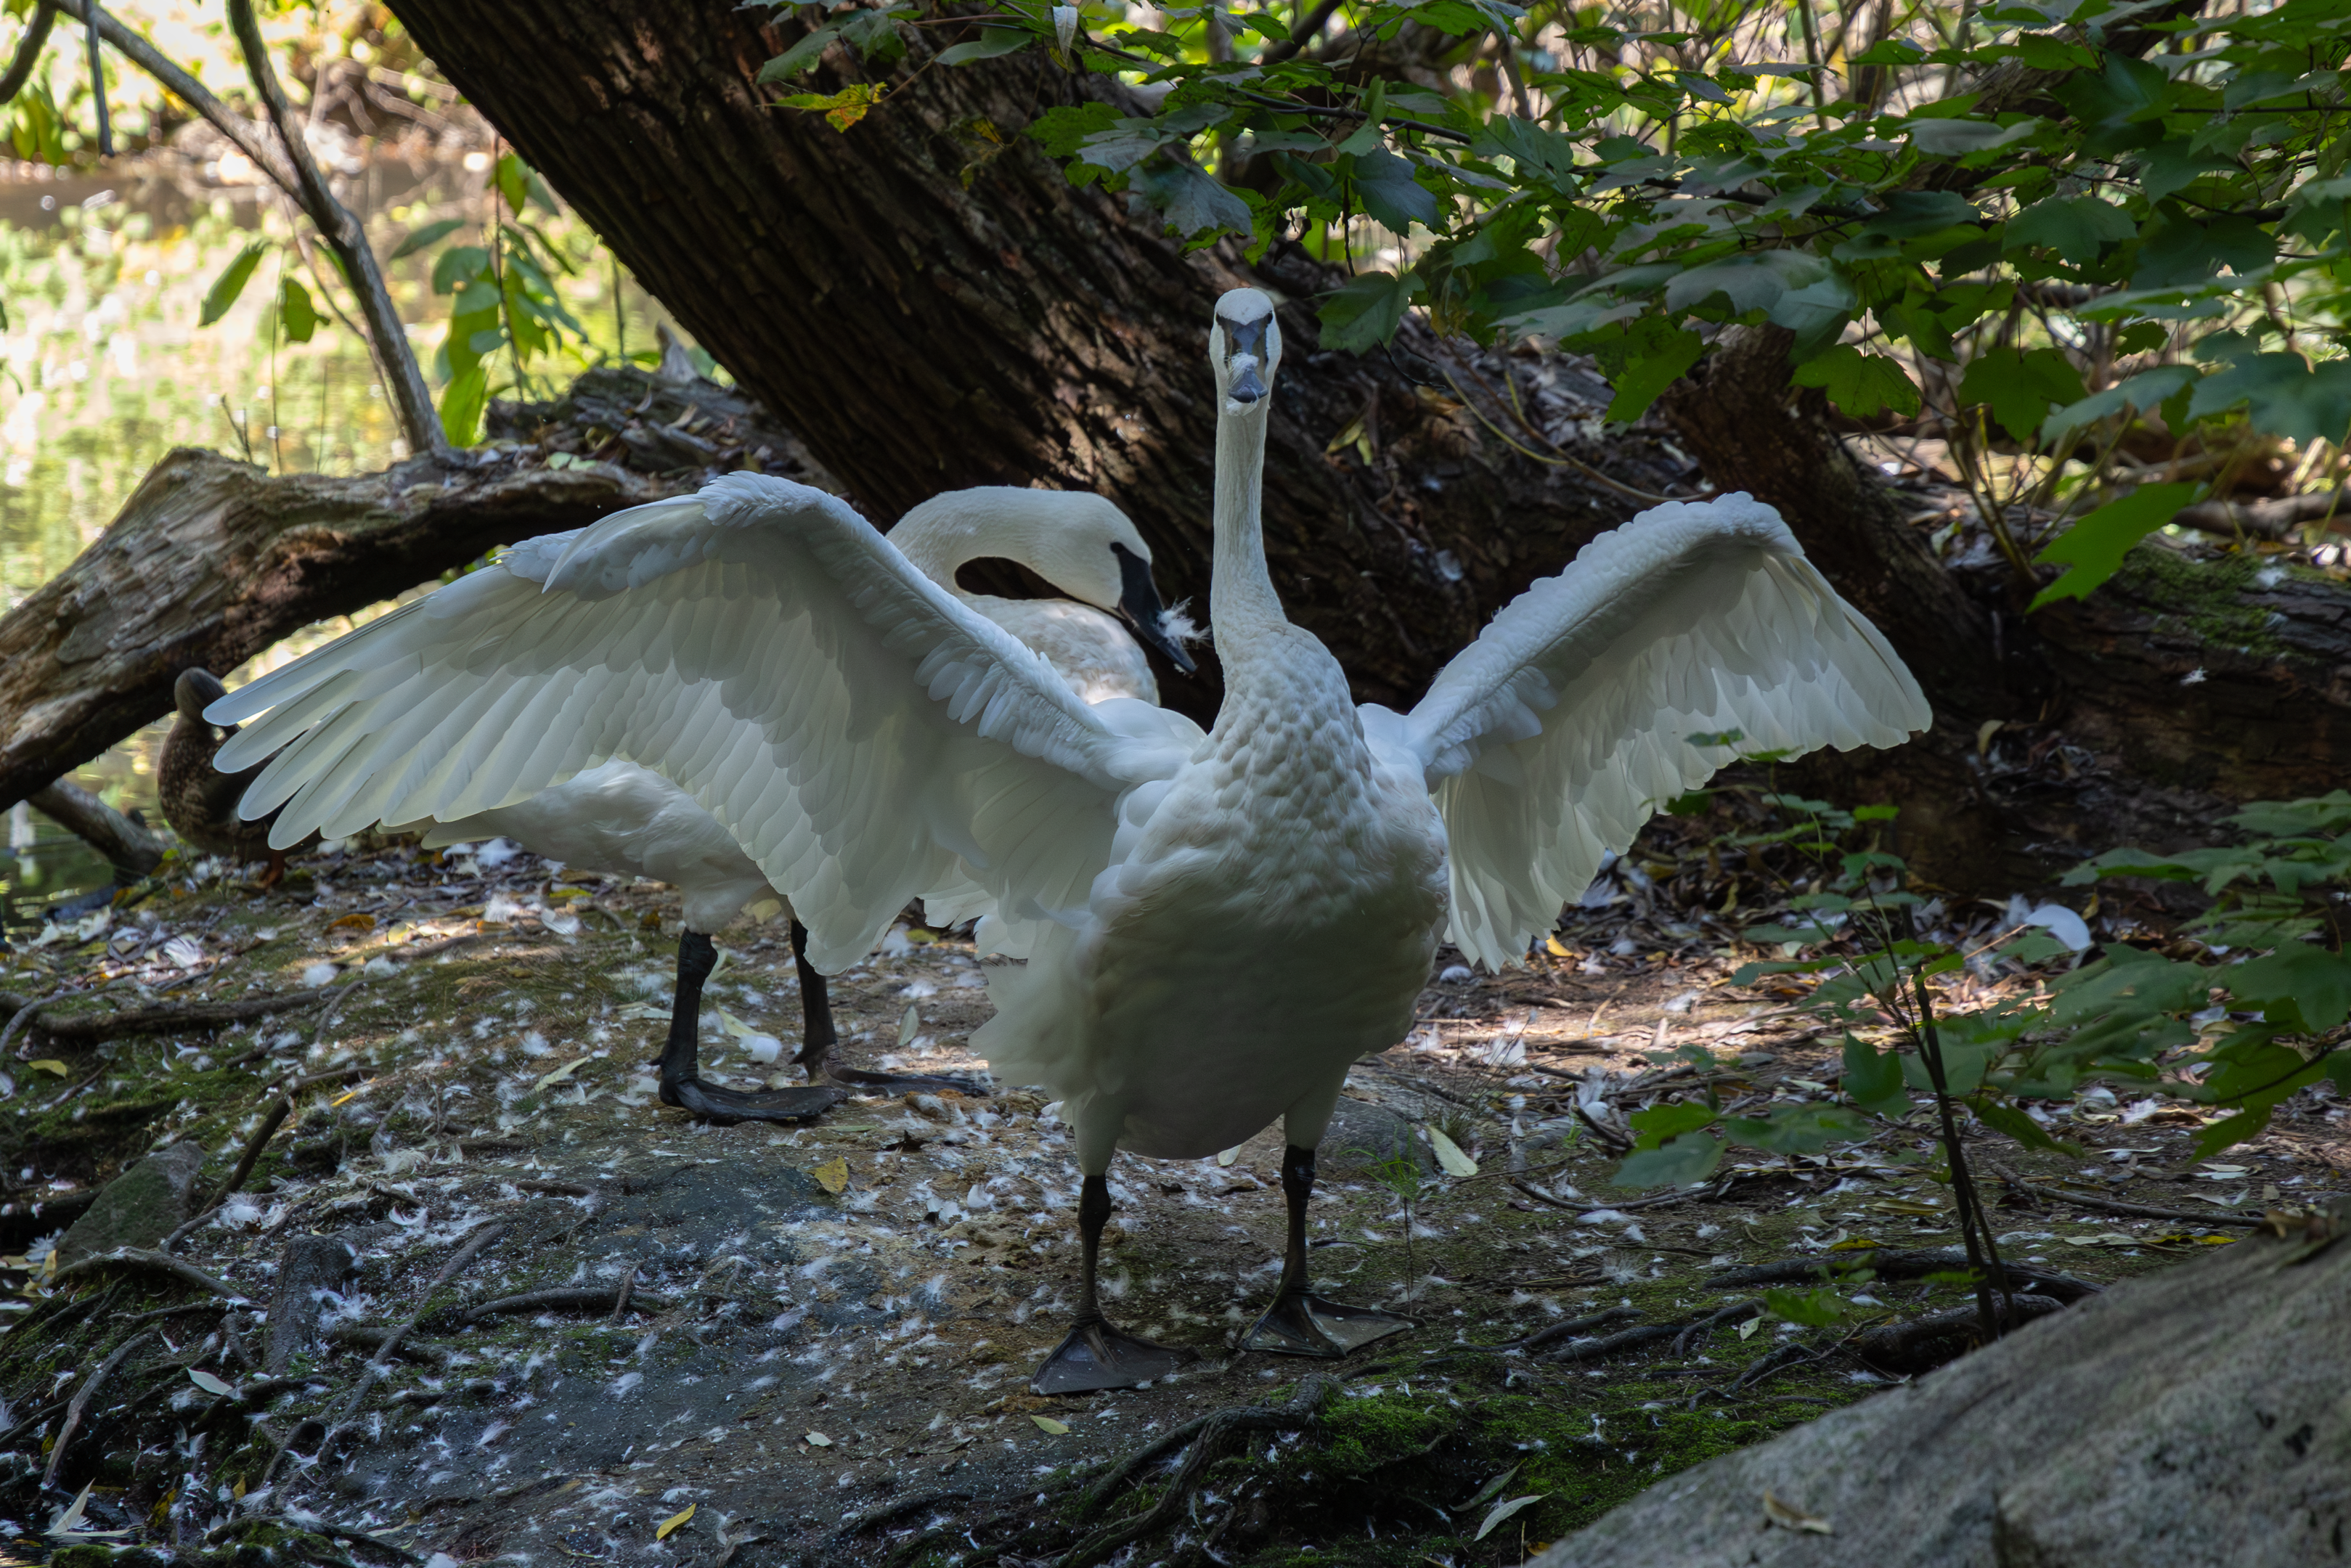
{"points": [[103, 369]]}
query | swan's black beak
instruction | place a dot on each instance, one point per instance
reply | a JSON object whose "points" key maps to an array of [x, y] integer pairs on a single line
{"points": [[1247, 386], [1139, 607], [1245, 343]]}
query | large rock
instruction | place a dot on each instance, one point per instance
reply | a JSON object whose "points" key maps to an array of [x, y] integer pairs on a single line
{"points": [[2197, 1416], [140, 1208]]}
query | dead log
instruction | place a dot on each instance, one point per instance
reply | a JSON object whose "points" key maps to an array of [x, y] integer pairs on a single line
{"points": [[2190, 1417], [212, 561], [127, 846]]}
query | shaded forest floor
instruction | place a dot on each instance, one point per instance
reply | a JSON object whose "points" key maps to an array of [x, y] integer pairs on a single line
{"points": [[813, 1345]]}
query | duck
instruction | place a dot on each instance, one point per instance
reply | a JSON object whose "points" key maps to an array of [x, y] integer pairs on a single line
{"points": [[198, 799], [1217, 925], [624, 818]]}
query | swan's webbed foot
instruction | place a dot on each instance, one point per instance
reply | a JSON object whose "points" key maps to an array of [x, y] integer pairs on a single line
{"points": [[1300, 1322], [1096, 1355], [708, 1103], [905, 1083]]}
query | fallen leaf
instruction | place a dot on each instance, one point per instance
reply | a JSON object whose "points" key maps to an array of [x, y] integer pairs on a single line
{"points": [[1895, 1206], [2105, 1238], [819, 1441], [910, 1024], [562, 1072], [1492, 1490], [645, 1010], [50, 1064], [1449, 1158], [1229, 1156], [1747, 1330], [351, 923], [1552, 946], [1503, 1510], [662, 1530], [340, 1099], [209, 1383], [1789, 1517], [832, 1176], [1047, 1424]]}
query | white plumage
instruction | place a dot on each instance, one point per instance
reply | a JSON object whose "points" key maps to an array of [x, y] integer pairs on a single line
{"points": [[1221, 924]]}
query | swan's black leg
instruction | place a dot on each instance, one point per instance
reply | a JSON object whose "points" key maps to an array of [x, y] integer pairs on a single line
{"points": [[818, 1038], [1300, 1322], [1095, 1354], [681, 1081]]}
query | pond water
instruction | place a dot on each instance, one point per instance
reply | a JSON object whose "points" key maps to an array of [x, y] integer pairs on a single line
{"points": [[104, 369]]}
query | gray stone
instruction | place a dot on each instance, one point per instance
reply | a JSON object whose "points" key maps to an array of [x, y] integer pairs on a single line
{"points": [[140, 1208], [2195, 1416], [1362, 1135]]}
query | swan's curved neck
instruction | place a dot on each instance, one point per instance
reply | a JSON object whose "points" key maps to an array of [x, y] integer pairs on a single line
{"points": [[1241, 600], [942, 540]]}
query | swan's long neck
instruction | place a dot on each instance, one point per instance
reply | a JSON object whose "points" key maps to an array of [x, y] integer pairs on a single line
{"points": [[1242, 604], [942, 540]]}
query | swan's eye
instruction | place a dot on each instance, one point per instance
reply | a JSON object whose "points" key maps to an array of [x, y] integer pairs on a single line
{"points": [[1245, 337]]}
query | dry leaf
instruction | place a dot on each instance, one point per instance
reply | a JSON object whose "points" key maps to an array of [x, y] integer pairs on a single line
{"points": [[1503, 1510], [1229, 1156], [50, 1064], [1047, 1424], [1449, 1158], [1553, 946], [1787, 1516], [663, 1530], [910, 1023], [562, 1072], [832, 1176], [819, 1441], [351, 923], [1747, 1330], [209, 1383]]}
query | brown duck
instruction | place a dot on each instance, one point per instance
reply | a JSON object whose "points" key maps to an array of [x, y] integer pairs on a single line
{"points": [[198, 799]]}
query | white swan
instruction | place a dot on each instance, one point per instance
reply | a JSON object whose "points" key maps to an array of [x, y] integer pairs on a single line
{"points": [[623, 817], [1221, 924]]}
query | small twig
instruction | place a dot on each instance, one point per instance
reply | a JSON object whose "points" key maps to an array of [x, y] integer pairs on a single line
{"points": [[1737, 1313], [1571, 1327], [1890, 1264], [628, 1288], [373, 1339], [1616, 1141], [92, 1029], [2116, 1206], [570, 1298], [81, 1402], [28, 50], [1629, 1338], [190, 1228], [139, 1257], [315, 1527], [252, 1154]]}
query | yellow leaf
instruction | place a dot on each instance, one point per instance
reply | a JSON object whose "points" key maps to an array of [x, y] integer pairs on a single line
{"points": [[1787, 1516], [1449, 1158], [662, 1530], [562, 1072], [833, 1175], [1747, 1330], [351, 923], [50, 1064], [819, 1441], [1855, 1244], [1553, 946], [1229, 1156], [341, 1098], [1047, 1424], [238, 1490]]}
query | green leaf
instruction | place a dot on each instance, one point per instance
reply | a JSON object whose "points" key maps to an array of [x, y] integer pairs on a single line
{"points": [[458, 265], [2022, 389], [2007, 1119], [2286, 395], [2076, 227], [296, 313], [2305, 989], [991, 42], [1659, 1122], [1753, 282], [431, 234], [2091, 550], [222, 294], [1386, 189], [1196, 205], [800, 57], [461, 404], [1366, 312], [2236, 1129], [1813, 1308], [1874, 1081], [1959, 138], [1859, 383], [1815, 313], [1797, 1129], [874, 35], [1642, 381], [1688, 1158], [510, 177], [2148, 390]]}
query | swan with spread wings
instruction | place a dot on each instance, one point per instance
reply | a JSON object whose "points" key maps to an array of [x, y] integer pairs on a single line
{"points": [[1217, 925]]}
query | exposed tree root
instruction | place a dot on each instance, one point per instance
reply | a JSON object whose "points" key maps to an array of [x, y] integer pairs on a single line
{"points": [[1903, 1265]]}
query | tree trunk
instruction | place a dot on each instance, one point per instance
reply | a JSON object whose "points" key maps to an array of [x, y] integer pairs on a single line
{"points": [[930, 304], [212, 561]]}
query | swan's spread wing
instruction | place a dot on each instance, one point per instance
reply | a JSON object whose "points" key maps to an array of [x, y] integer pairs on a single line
{"points": [[1552, 738], [862, 733]]}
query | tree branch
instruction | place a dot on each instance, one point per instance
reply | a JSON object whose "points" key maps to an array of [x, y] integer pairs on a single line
{"points": [[28, 51], [386, 336], [121, 840], [135, 49]]}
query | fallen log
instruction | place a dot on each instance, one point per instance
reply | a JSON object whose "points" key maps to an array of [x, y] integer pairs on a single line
{"points": [[212, 560], [2190, 1417], [127, 846]]}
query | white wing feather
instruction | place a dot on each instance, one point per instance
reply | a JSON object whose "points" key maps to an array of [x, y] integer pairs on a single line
{"points": [[863, 734], [1550, 740]]}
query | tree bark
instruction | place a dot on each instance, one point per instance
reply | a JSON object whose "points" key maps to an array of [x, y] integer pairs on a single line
{"points": [[212, 561], [930, 304], [127, 845]]}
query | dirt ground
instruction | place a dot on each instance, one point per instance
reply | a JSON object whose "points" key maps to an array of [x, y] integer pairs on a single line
{"points": [[813, 1345]]}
